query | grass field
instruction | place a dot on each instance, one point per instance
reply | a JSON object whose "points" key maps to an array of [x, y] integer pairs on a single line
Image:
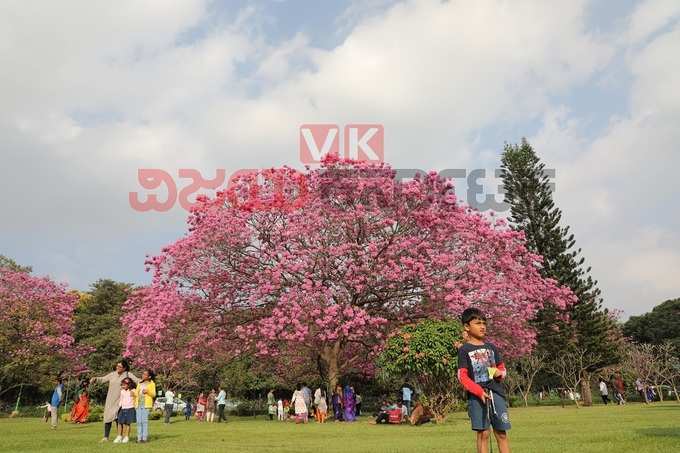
{"points": [[632, 428]]}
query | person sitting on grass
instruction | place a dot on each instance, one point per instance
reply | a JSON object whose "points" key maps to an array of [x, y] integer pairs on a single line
{"points": [[383, 416], [404, 410], [420, 415], [480, 371]]}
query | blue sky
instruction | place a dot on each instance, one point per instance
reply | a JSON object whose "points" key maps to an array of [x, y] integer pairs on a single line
{"points": [[93, 91]]}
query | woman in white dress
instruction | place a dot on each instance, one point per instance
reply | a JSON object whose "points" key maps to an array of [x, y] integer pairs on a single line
{"points": [[298, 399]]}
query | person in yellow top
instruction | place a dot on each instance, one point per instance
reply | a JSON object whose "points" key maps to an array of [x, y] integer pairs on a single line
{"points": [[144, 395]]}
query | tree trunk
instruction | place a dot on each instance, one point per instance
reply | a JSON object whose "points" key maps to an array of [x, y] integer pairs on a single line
{"points": [[659, 390], [329, 355], [586, 392]]}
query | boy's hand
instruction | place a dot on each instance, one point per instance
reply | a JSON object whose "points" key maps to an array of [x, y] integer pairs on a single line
{"points": [[485, 397]]}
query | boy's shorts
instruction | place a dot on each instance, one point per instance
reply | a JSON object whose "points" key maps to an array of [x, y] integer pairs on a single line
{"points": [[479, 413]]}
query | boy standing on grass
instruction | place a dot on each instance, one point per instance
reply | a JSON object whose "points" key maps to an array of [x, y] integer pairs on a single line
{"points": [[480, 371]]}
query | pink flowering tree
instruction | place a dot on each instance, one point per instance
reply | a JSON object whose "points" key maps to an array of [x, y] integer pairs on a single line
{"points": [[36, 330], [322, 265]]}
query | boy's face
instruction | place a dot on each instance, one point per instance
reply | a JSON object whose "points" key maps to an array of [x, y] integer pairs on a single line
{"points": [[476, 328]]}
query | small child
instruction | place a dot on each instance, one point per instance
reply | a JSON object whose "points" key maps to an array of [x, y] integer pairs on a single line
{"points": [[286, 409], [47, 414], [126, 412], [187, 409], [279, 410], [480, 371], [322, 408]]}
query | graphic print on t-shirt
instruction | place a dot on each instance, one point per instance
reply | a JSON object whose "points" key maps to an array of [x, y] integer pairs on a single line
{"points": [[481, 360]]}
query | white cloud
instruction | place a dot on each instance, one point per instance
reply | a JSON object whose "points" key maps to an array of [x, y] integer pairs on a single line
{"points": [[650, 16], [91, 92]]}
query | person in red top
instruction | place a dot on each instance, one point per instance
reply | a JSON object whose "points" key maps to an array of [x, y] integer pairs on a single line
{"points": [[481, 371]]}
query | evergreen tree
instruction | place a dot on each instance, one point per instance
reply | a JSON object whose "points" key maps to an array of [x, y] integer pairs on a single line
{"points": [[6, 261], [585, 325], [97, 323]]}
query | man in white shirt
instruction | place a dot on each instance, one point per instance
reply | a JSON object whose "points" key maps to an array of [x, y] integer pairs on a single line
{"points": [[169, 404]]}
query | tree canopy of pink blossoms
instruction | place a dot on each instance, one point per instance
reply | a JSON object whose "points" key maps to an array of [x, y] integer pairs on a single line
{"points": [[36, 329], [325, 264]]}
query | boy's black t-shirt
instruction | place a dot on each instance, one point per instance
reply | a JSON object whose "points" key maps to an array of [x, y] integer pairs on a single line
{"points": [[477, 359]]}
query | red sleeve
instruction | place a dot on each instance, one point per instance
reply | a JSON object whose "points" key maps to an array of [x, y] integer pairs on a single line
{"points": [[468, 384], [501, 368]]}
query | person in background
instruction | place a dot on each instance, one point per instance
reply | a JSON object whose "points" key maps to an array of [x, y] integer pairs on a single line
{"points": [[336, 400], [286, 409], [144, 395], [321, 408], [210, 406], [349, 404], [317, 398], [620, 389], [404, 411], [383, 415], [55, 401], [81, 409], [200, 406], [271, 404], [169, 404], [187, 408], [307, 393], [640, 388], [47, 415], [651, 394], [301, 411], [604, 392], [358, 408], [279, 410], [420, 415], [221, 402], [406, 394]]}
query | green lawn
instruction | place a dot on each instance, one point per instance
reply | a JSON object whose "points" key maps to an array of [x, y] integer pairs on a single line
{"points": [[632, 428]]}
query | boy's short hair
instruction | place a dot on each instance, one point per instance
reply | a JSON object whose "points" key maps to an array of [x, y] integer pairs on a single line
{"points": [[472, 313]]}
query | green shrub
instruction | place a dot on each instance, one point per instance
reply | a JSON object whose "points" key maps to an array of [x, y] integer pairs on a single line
{"points": [[249, 409], [426, 352], [96, 414]]}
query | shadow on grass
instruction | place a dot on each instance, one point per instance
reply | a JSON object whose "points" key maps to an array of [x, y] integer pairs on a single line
{"points": [[161, 436], [660, 432]]}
